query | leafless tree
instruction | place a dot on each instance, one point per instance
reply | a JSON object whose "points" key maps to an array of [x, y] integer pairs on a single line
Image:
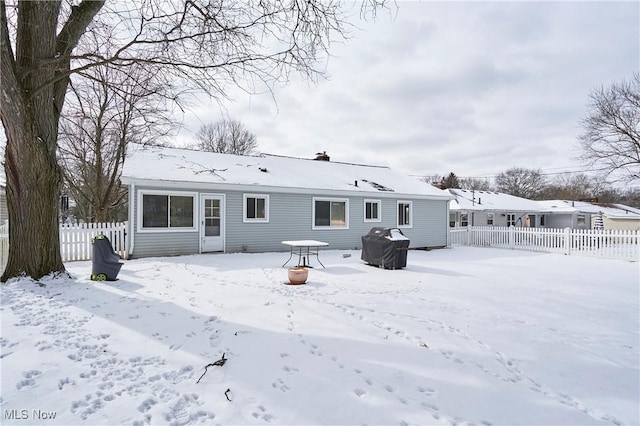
{"points": [[574, 187], [104, 112], [479, 184], [205, 45], [611, 137], [226, 136], [521, 182]]}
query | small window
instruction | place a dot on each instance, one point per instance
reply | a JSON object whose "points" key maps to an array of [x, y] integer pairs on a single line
{"points": [[511, 219], [256, 208], [330, 213], [452, 220], [542, 220], [168, 211], [404, 214], [490, 219], [372, 211], [464, 219], [581, 219]]}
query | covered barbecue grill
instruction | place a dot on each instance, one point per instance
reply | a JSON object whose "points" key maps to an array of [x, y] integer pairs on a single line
{"points": [[385, 247], [106, 262]]}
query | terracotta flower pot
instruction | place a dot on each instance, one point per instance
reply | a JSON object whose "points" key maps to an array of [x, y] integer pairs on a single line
{"points": [[298, 275]]}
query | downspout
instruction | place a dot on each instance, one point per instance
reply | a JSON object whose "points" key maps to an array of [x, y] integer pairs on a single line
{"points": [[448, 226], [132, 196]]}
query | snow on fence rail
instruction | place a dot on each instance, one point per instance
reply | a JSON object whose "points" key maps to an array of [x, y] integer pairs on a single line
{"points": [[75, 240], [606, 243]]}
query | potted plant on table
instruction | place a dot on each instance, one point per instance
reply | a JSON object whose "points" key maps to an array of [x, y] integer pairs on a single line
{"points": [[298, 275]]}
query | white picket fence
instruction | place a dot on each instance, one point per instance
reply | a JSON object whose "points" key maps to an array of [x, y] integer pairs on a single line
{"points": [[75, 240], [605, 243]]}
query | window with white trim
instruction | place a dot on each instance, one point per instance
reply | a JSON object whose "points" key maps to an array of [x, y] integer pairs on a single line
{"points": [[162, 210], [511, 219], [330, 213], [452, 220], [256, 208], [464, 219], [404, 214], [581, 219], [372, 211], [489, 218]]}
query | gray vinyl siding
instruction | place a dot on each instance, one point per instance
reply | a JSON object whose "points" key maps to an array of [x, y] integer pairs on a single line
{"points": [[290, 218], [4, 213], [560, 221], [568, 220], [161, 243]]}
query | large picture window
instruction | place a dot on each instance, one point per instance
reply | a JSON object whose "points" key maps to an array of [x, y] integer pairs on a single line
{"points": [[330, 213], [256, 208], [404, 214], [167, 211], [372, 211]]}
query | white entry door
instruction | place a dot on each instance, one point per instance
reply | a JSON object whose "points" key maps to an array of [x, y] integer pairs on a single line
{"points": [[212, 223]]}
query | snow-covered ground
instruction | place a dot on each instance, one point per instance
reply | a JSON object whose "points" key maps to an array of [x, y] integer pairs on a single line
{"points": [[461, 336]]}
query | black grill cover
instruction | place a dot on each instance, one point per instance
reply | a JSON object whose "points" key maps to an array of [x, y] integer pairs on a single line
{"points": [[385, 247], [105, 260]]}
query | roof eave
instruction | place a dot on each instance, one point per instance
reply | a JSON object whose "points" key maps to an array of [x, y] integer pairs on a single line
{"points": [[211, 186]]}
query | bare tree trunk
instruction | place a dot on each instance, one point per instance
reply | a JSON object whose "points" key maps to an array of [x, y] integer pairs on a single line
{"points": [[34, 82], [33, 188]]}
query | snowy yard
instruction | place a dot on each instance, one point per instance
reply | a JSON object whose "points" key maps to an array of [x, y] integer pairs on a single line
{"points": [[461, 336]]}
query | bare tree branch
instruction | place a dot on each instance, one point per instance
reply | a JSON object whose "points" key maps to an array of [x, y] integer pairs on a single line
{"points": [[611, 130]]}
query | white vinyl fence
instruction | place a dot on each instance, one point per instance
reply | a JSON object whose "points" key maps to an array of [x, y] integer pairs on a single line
{"points": [[605, 243], [75, 240]]}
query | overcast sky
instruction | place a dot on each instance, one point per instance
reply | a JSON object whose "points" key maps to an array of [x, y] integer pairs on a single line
{"points": [[472, 88]]}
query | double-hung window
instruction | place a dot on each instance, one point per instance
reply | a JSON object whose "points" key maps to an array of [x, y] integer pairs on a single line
{"points": [[464, 219], [511, 219], [490, 219], [256, 208], [372, 211], [170, 211], [404, 214], [330, 213]]}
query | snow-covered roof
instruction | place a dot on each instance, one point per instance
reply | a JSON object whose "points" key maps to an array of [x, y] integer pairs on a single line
{"points": [[568, 206], [171, 166], [466, 200]]}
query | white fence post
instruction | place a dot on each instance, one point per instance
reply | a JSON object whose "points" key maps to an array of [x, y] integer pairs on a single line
{"points": [[567, 241], [512, 237]]}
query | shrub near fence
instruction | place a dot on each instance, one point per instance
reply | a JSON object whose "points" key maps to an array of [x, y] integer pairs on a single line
{"points": [[607, 243], [75, 240]]}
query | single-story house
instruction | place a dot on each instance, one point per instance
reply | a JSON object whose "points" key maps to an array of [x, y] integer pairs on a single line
{"points": [[581, 215], [184, 202], [490, 208]]}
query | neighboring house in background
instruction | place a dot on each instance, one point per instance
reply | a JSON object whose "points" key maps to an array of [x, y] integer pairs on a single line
{"points": [[184, 202], [581, 215], [489, 208]]}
